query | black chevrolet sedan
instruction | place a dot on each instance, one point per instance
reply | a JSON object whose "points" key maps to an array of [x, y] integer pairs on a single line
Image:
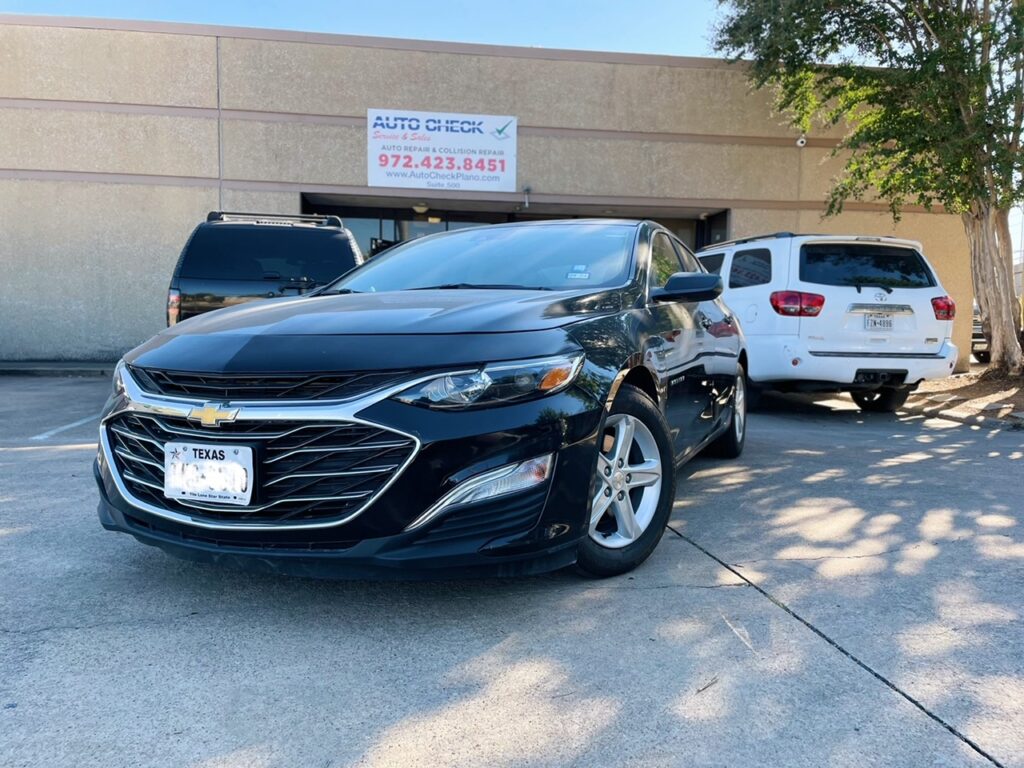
{"points": [[500, 400]]}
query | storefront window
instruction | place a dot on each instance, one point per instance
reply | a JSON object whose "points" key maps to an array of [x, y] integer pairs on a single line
{"points": [[363, 230], [387, 226], [418, 227]]}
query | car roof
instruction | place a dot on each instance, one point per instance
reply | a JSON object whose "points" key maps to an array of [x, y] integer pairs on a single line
{"points": [[810, 237], [549, 222]]}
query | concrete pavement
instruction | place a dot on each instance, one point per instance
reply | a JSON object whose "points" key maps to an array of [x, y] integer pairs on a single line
{"points": [[884, 627]]}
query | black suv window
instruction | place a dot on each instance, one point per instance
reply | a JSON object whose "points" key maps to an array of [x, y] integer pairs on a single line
{"points": [[864, 264], [258, 252], [713, 262], [664, 261], [753, 267]]}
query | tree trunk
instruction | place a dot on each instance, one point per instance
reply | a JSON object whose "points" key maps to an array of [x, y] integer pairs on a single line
{"points": [[992, 268], [1006, 244]]}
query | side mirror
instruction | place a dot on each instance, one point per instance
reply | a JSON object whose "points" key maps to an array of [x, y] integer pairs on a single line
{"points": [[689, 286]]}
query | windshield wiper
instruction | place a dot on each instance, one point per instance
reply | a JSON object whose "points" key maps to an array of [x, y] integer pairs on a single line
{"points": [[482, 286], [885, 288], [337, 292]]}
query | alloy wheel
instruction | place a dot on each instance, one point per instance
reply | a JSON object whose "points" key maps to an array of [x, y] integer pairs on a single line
{"points": [[629, 478], [739, 407]]}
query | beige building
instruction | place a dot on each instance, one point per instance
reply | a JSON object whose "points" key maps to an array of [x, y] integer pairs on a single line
{"points": [[116, 138]]}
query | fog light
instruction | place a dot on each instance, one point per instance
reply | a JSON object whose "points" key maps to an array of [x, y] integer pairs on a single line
{"points": [[510, 478]]}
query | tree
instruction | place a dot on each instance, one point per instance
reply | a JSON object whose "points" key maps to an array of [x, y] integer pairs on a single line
{"points": [[931, 97]]}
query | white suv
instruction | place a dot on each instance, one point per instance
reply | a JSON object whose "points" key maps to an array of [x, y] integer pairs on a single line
{"points": [[826, 313]]}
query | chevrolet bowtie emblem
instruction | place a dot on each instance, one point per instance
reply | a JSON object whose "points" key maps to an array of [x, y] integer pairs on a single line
{"points": [[213, 414]]}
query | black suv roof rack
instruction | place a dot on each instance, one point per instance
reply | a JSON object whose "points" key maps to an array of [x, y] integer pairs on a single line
{"points": [[276, 218], [741, 240]]}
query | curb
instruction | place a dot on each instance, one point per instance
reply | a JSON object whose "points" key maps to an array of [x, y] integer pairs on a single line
{"points": [[38, 368], [925, 406]]}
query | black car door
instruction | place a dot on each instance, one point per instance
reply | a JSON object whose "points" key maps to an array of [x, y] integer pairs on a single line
{"points": [[674, 350], [721, 343]]}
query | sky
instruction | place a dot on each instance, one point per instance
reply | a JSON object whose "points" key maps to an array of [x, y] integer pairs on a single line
{"points": [[674, 27]]}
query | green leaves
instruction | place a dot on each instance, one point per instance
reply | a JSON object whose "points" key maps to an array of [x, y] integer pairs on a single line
{"points": [[931, 94]]}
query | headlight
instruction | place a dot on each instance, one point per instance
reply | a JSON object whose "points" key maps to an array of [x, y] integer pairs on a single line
{"points": [[496, 383], [116, 388], [117, 385]]}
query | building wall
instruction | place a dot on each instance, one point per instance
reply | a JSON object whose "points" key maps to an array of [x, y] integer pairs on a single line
{"points": [[119, 136]]}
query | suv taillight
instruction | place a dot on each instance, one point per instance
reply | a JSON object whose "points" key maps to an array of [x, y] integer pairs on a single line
{"points": [[945, 308], [173, 306], [797, 303]]}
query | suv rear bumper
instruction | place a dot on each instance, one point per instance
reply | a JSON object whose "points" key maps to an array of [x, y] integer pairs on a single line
{"points": [[787, 359]]}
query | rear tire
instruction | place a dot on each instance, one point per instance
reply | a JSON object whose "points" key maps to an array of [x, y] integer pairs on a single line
{"points": [[755, 395], [882, 400], [629, 509], [729, 445]]}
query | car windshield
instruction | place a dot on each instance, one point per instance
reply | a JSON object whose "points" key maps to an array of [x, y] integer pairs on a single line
{"points": [[258, 252], [864, 265], [542, 257]]}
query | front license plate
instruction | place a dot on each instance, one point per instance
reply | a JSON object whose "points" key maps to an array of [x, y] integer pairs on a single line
{"points": [[879, 322], [205, 472]]}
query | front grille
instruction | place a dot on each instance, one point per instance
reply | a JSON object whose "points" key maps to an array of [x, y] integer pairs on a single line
{"points": [[270, 386], [305, 471], [296, 541]]}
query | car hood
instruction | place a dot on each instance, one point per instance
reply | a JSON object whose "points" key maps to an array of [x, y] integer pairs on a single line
{"points": [[374, 331], [404, 312]]}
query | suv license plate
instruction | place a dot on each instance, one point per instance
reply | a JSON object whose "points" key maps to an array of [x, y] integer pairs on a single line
{"points": [[881, 322], [204, 472]]}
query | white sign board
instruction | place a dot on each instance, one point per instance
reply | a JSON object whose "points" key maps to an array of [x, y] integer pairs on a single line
{"points": [[441, 150]]}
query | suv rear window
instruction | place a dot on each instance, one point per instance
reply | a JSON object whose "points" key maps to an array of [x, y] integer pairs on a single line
{"points": [[864, 264], [258, 252]]}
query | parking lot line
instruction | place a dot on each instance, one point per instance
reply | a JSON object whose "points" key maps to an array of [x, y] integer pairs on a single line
{"points": [[52, 447], [863, 665], [56, 430]]}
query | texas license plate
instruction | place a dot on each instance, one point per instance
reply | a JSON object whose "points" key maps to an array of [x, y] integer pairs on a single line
{"points": [[204, 472], [878, 322]]}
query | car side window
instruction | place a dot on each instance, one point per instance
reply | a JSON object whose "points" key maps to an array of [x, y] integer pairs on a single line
{"points": [[664, 261], [750, 268], [689, 261], [713, 262]]}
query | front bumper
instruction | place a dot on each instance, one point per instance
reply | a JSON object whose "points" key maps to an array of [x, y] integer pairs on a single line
{"points": [[771, 361], [531, 531]]}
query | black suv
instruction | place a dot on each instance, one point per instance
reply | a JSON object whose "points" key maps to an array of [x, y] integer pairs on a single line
{"points": [[233, 258]]}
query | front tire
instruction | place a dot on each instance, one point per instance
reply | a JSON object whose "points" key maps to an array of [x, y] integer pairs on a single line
{"points": [[634, 488], [882, 400]]}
